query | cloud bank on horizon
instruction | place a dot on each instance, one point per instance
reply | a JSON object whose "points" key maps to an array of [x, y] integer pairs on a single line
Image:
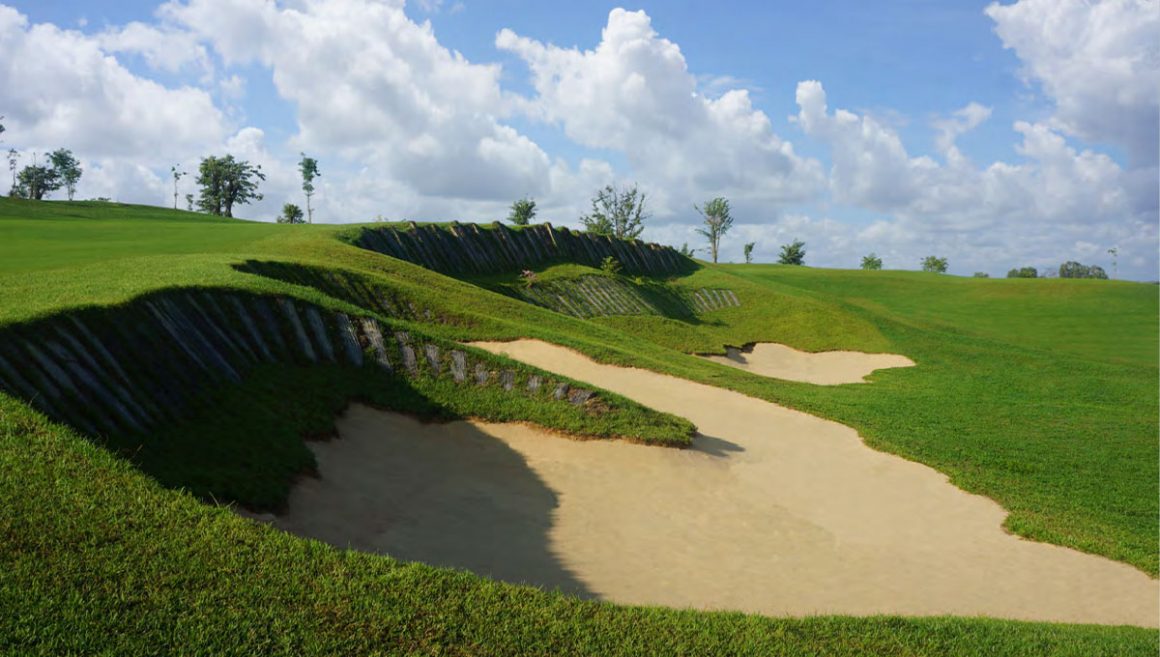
{"points": [[405, 126]]}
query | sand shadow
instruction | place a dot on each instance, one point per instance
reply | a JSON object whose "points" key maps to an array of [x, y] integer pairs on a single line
{"points": [[714, 446], [443, 494]]}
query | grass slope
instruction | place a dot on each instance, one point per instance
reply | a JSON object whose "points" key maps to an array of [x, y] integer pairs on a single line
{"points": [[98, 558]]}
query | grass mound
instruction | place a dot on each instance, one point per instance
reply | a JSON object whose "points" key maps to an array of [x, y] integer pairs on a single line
{"points": [[1040, 394]]}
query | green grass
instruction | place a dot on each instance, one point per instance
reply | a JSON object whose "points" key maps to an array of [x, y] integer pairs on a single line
{"points": [[1040, 394]]}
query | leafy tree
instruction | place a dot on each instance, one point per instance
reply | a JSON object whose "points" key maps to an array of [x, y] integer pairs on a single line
{"points": [[982, 274], [686, 251], [871, 262], [291, 214], [13, 158], [189, 202], [308, 166], [617, 213], [934, 264], [226, 182], [68, 170], [748, 250], [718, 221], [35, 182], [523, 211], [793, 254], [1072, 269], [177, 175], [1023, 272], [1115, 253]]}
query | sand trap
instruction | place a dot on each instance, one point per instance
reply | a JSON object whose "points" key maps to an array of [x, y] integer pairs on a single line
{"points": [[824, 368], [773, 511]]}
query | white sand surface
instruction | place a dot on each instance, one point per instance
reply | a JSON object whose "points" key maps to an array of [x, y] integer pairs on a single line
{"points": [[772, 511], [823, 368]]}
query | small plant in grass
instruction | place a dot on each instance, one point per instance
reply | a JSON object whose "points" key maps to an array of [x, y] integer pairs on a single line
{"points": [[610, 266], [529, 278]]}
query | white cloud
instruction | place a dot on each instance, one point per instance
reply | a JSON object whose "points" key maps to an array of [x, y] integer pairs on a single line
{"points": [[62, 89], [1033, 210], [961, 122], [374, 86], [166, 50], [1098, 62], [634, 94], [872, 169]]}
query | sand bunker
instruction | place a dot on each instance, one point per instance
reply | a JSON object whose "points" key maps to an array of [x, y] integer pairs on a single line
{"points": [[773, 511], [824, 368]]}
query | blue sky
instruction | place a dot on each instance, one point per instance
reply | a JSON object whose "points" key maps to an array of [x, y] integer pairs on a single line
{"points": [[967, 129]]}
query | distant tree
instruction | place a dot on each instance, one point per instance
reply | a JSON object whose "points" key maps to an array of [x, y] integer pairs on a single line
{"points": [[1073, 269], [617, 213], [523, 211], [1096, 271], [308, 167], [686, 251], [1023, 272], [792, 254], [2, 128], [189, 202], [934, 264], [982, 274], [177, 175], [871, 262], [717, 220], [68, 170], [1115, 253], [291, 214], [13, 158], [748, 251], [35, 182], [226, 182]]}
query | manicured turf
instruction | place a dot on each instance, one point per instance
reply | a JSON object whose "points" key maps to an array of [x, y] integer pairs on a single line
{"points": [[1040, 394]]}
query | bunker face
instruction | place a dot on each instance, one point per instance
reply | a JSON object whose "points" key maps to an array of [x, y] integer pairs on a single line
{"points": [[825, 368], [772, 511]]}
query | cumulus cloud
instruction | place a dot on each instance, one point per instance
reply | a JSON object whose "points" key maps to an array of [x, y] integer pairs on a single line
{"points": [[961, 122], [872, 169], [633, 94], [1097, 61], [61, 88], [166, 50], [1035, 209], [377, 87]]}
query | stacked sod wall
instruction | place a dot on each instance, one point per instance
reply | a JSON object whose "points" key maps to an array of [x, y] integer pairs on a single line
{"points": [[470, 249], [126, 370], [606, 296]]}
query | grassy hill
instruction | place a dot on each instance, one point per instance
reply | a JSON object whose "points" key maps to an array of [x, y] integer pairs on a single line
{"points": [[1038, 393]]}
